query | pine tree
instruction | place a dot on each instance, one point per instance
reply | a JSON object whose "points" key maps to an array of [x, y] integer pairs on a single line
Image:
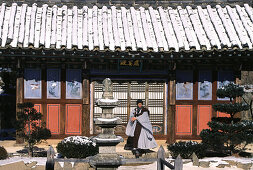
{"points": [[226, 134], [230, 91], [28, 125]]}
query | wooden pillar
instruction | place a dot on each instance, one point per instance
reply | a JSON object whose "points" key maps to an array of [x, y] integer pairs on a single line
{"points": [[195, 103], [19, 98], [238, 81], [86, 104], [146, 94], [171, 109], [128, 100]]}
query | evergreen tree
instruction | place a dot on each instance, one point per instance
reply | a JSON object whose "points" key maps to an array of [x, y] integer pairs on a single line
{"points": [[226, 134], [28, 124], [230, 91]]}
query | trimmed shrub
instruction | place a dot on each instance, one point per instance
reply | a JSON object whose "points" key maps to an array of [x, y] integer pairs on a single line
{"points": [[77, 147], [3, 153], [186, 149], [222, 137], [226, 134]]}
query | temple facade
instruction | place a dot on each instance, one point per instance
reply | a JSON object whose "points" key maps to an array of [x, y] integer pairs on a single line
{"points": [[172, 55]]}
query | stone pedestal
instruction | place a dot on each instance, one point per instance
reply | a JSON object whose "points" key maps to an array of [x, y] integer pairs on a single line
{"points": [[107, 158]]}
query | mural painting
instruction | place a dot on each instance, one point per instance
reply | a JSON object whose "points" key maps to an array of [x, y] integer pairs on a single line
{"points": [[53, 84], [205, 85], [73, 84], [184, 86], [32, 84]]}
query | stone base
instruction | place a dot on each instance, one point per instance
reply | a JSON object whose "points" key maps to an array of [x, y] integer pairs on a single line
{"points": [[106, 161]]}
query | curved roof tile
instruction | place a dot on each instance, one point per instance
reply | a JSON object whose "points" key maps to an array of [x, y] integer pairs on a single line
{"points": [[111, 28]]}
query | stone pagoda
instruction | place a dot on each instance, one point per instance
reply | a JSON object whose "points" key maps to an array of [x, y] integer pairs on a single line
{"points": [[107, 158]]}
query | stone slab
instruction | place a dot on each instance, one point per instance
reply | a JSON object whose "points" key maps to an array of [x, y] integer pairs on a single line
{"points": [[204, 164], [30, 165], [221, 165], [67, 166], [39, 167], [57, 166], [231, 162], [195, 160], [244, 166], [15, 166], [81, 166]]}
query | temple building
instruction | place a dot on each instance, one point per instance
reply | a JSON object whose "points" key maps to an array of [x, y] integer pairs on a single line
{"points": [[172, 55]]}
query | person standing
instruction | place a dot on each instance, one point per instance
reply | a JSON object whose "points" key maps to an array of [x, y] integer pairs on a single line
{"points": [[139, 130]]}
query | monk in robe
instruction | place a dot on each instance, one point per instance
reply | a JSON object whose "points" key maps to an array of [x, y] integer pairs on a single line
{"points": [[139, 130]]}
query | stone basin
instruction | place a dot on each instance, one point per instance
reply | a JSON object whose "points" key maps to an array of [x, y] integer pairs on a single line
{"points": [[109, 142], [111, 122], [107, 103]]}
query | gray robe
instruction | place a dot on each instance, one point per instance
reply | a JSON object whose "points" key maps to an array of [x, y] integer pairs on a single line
{"points": [[146, 139]]}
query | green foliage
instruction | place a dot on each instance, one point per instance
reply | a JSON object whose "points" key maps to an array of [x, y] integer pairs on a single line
{"points": [[3, 153], [227, 137], [77, 147], [226, 134], [186, 149], [230, 108], [231, 90], [29, 127]]}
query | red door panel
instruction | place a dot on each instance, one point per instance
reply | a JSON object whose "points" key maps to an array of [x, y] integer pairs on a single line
{"points": [[204, 116], [53, 118], [38, 108], [183, 119], [73, 118]]}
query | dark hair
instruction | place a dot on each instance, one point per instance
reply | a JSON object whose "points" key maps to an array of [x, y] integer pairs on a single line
{"points": [[139, 101]]}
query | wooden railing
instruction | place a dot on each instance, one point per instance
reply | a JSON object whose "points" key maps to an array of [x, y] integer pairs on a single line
{"points": [[161, 162]]}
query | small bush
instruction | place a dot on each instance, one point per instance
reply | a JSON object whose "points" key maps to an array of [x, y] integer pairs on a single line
{"points": [[77, 147], [3, 153], [186, 149]]}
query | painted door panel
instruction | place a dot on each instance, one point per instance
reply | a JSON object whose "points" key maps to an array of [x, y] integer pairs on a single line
{"points": [[53, 118], [38, 108], [73, 118], [204, 116], [183, 119]]}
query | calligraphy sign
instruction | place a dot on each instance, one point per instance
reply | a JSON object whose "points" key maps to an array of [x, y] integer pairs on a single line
{"points": [[130, 65]]}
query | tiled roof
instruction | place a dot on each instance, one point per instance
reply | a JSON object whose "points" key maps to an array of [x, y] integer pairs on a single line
{"points": [[111, 28]]}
